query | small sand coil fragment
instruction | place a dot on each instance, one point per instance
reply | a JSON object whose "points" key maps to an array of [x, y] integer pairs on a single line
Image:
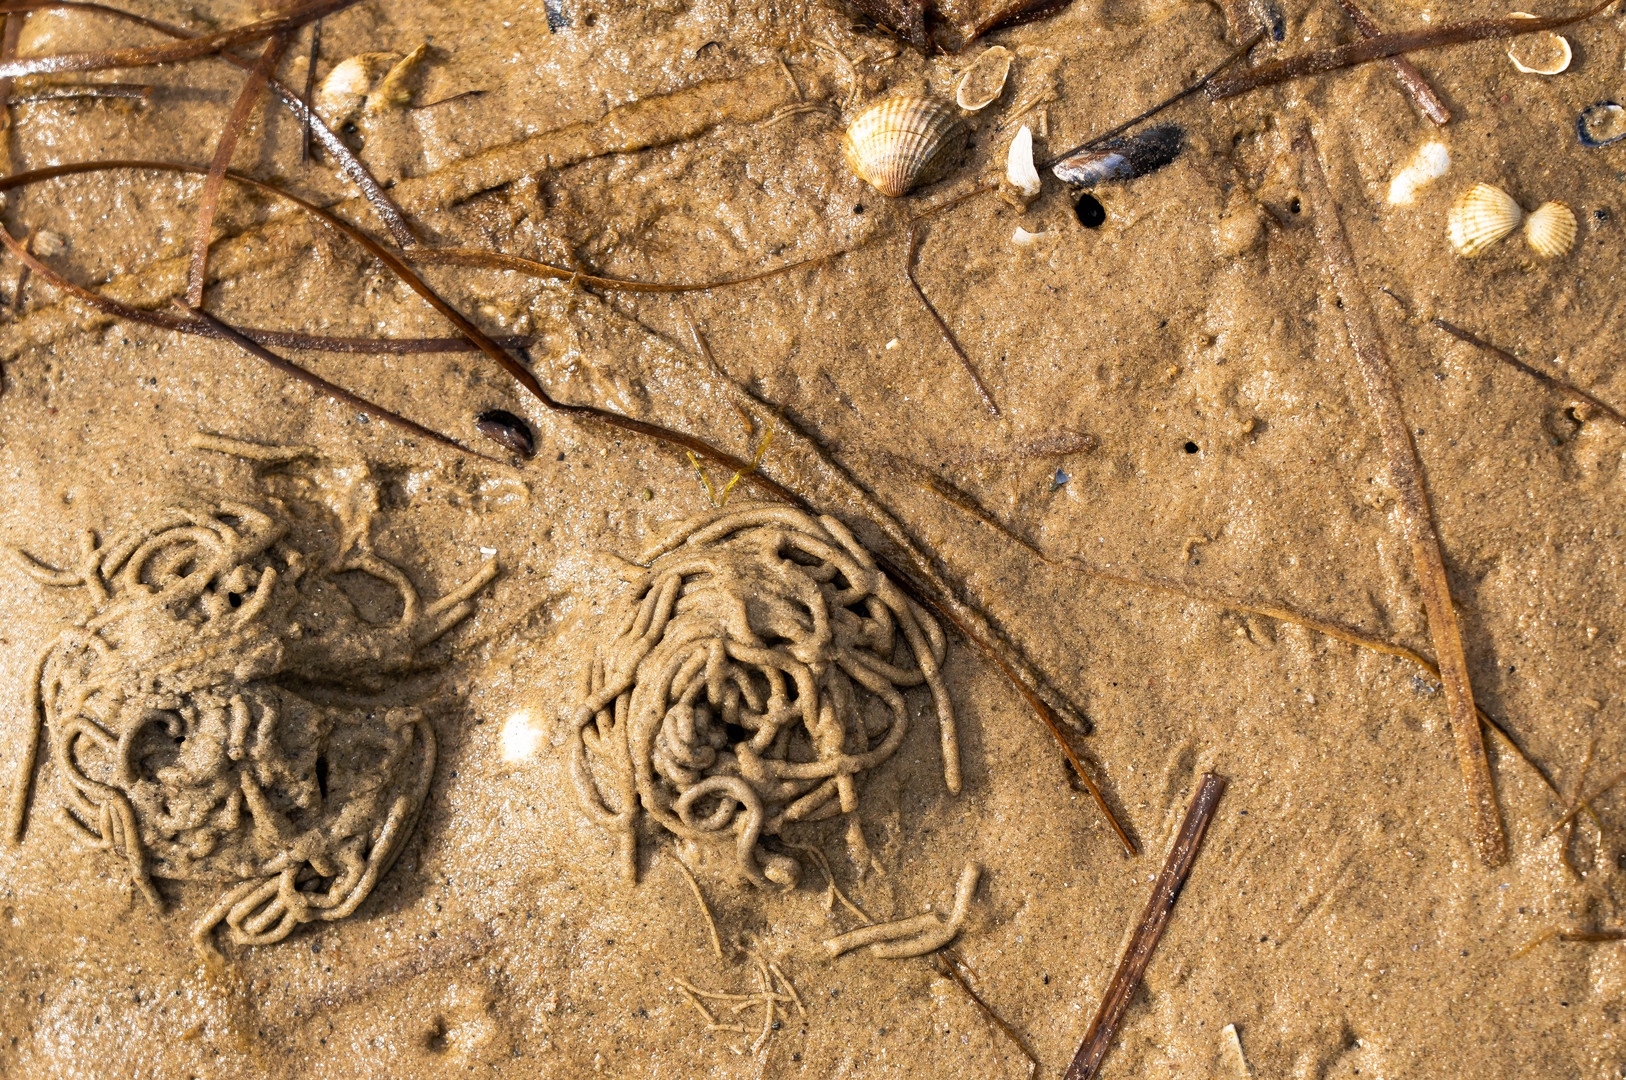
{"points": [[1482, 216], [1431, 161], [1550, 230], [984, 80], [755, 671], [917, 936]]}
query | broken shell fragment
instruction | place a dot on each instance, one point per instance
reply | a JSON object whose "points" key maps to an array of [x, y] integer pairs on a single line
{"points": [[343, 92], [1122, 159], [395, 88], [1539, 54], [506, 430], [1431, 162], [1601, 124], [1482, 216], [1024, 239], [1019, 167], [1550, 229], [902, 142], [984, 80]]}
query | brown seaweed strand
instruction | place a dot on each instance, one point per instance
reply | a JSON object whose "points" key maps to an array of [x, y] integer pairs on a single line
{"points": [[280, 339], [11, 29], [310, 88], [1201, 83], [497, 260], [209, 200], [388, 213], [948, 335], [955, 497], [1584, 802], [1411, 80], [1536, 373], [1406, 477], [1126, 980], [188, 49], [1384, 46], [338, 393], [946, 964]]}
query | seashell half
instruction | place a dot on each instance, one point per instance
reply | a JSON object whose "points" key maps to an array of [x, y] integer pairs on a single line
{"points": [[1541, 54], [1122, 159], [902, 142], [1019, 167], [1483, 215], [1550, 229], [342, 93], [1601, 123], [984, 80]]}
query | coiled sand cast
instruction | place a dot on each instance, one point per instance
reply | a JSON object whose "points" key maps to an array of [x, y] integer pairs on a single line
{"points": [[186, 728], [755, 671]]}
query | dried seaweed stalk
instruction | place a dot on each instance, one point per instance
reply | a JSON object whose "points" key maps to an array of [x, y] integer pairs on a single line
{"points": [[965, 361], [1384, 46], [209, 199], [1406, 73], [1126, 980], [1508, 358], [946, 964], [1406, 477]]}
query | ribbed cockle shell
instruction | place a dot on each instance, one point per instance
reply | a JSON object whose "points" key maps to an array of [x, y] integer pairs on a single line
{"points": [[901, 142], [1550, 229], [1483, 215]]}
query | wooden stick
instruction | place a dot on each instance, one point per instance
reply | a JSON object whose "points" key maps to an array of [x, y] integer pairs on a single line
{"points": [[1508, 358], [1417, 522], [1411, 80], [1126, 980]]}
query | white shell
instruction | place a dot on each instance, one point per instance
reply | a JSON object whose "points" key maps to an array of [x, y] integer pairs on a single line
{"points": [[1019, 167], [1023, 239], [1550, 229], [901, 142], [1482, 216], [1539, 54], [342, 93], [984, 80], [1431, 162]]}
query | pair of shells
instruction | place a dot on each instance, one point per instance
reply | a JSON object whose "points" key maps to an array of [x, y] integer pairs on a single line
{"points": [[367, 82], [1486, 214]]}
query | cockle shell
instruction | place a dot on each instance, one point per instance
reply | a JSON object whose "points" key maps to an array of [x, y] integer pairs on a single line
{"points": [[1550, 229], [342, 93], [902, 142], [1483, 215], [984, 80], [1539, 54]]}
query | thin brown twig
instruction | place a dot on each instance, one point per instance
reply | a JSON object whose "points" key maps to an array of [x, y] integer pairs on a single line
{"points": [[946, 963], [310, 89], [209, 198], [1584, 801], [338, 393], [1513, 361], [83, 91], [948, 335], [1411, 80], [1153, 921], [1405, 475], [1384, 46]]}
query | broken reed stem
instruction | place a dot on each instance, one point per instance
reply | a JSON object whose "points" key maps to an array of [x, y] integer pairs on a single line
{"points": [[1411, 80], [948, 335], [90, 91], [310, 88], [11, 31], [209, 199], [1405, 474], [1153, 921], [338, 393], [1384, 46], [1508, 358], [946, 964]]}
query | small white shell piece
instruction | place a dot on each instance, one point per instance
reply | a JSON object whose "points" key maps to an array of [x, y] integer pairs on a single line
{"points": [[1431, 162], [1550, 230], [1539, 54], [984, 80], [1024, 239], [1019, 167], [1483, 215]]}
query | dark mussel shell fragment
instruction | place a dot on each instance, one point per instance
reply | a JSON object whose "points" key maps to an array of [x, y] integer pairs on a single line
{"points": [[1601, 124], [1122, 159], [506, 430]]}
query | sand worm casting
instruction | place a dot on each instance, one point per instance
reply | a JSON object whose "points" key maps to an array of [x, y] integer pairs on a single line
{"points": [[749, 679], [185, 725]]}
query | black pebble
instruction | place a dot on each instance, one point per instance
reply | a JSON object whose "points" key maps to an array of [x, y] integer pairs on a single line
{"points": [[507, 430]]}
